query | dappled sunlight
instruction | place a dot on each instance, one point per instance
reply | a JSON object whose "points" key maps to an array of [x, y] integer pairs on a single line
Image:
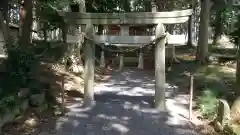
{"points": [[216, 73], [120, 128], [126, 107], [124, 118], [132, 83]]}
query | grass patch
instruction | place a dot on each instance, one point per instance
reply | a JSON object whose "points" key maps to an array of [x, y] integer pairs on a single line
{"points": [[213, 82], [225, 51], [207, 103]]}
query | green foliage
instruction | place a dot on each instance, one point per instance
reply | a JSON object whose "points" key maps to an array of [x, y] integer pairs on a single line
{"points": [[20, 63], [104, 5], [208, 102], [229, 16], [47, 14], [225, 17], [9, 101], [236, 32]]}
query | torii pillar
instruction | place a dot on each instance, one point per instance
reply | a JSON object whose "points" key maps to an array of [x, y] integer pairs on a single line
{"points": [[89, 67], [102, 59], [140, 59], [159, 98], [124, 32]]}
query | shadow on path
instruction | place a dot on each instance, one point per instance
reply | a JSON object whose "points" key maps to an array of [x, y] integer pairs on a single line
{"points": [[123, 107]]}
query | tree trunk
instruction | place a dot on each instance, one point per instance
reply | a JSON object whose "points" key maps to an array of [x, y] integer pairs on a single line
{"points": [[26, 23], [218, 27], [238, 70], [126, 6], [45, 34], [189, 43], [4, 34], [64, 32], [202, 48], [4, 20], [4, 27]]}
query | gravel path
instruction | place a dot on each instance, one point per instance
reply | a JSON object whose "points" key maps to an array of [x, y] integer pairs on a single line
{"points": [[123, 107]]}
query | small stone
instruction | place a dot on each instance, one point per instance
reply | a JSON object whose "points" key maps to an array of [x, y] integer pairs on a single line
{"points": [[235, 111], [218, 126], [223, 114]]}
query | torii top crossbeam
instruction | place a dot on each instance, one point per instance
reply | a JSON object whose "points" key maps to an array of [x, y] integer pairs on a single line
{"points": [[172, 17], [124, 20]]}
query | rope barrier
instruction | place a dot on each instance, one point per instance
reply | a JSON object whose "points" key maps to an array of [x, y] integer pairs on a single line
{"points": [[118, 51]]}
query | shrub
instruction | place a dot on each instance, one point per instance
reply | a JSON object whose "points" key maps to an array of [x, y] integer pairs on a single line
{"points": [[208, 102]]}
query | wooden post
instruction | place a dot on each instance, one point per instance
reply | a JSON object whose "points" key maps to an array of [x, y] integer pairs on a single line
{"points": [[160, 68], [63, 95], [89, 67], [140, 59], [237, 87], [191, 97]]}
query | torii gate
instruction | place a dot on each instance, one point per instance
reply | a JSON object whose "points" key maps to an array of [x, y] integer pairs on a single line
{"points": [[125, 20]]}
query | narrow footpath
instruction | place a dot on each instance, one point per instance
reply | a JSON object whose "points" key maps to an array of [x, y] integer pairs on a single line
{"points": [[124, 107]]}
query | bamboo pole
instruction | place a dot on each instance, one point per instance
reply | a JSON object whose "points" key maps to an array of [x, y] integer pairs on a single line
{"points": [[191, 96], [62, 95]]}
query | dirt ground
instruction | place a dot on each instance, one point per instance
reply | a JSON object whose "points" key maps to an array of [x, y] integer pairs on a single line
{"points": [[33, 121]]}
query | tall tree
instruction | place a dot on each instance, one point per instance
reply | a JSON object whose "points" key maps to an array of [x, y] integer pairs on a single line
{"points": [[218, 29], [235, 35], [238, 69], [26, 18], [4, 19], [202, 48]]}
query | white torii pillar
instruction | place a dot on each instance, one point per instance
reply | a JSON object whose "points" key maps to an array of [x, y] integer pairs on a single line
{"points": [[159, 97], [140, 59], [123, 32], [102, 59], [89, 67], [121, 58]]}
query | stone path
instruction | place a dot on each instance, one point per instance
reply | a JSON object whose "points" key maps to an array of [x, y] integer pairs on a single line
{"points": [[123, 107]]}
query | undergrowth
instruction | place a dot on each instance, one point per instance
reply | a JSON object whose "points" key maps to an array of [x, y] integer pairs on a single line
{"points": [[213, 85], [21, 67], [208, 103]]}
